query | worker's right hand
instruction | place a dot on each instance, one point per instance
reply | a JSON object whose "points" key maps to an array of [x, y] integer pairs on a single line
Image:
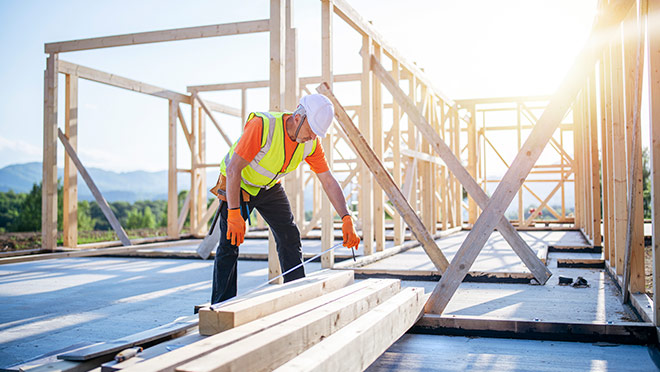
{"points": [[235, 227]]}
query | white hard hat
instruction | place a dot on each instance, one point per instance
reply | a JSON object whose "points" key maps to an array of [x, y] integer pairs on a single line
{"points": [[320, 112]]}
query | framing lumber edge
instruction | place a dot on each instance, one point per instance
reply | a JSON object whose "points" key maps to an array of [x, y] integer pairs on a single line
{"points": [[456, 325], [176, 34]]}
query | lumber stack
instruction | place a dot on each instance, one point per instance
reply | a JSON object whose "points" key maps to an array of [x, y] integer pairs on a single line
{"points": [[323, 322]]}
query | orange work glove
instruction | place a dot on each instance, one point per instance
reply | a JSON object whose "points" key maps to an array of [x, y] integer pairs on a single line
{"points": [[235, 227], [351, 238]]}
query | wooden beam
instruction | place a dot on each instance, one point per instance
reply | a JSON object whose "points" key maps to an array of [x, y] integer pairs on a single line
{"points": [[289, 318], [70, 186], [385, 180], [541, 273], [356, 346], [49, 163], [377, 141], [524, 161], [399, 228], [159, 36], [224, 316], [365, 200], [276, 345], [116, 226], [102, 77], [653, 34]]}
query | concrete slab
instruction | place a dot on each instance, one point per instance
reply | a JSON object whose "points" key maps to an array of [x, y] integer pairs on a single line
{"points": [[49, 305], [447, 353]]}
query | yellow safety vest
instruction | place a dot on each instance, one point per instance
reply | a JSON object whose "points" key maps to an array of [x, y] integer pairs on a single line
{"points": [[265, 169]]}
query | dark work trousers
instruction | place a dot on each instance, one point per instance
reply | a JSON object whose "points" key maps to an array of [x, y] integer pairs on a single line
{"points": [[273, 205]]}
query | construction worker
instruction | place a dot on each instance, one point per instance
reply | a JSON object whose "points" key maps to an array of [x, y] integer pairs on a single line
{"points": [[272, 145]]}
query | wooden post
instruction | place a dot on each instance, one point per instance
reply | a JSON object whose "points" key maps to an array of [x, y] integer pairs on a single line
{"points": [[472, 160], [633, 273], [172, 192], [49, 183], [396, 153], [458, 188], [521, 211], [277, 89], [653, 34], [327, 227], [377, 138], [605, 162], [366, 182], [619, 159], [202, 192], [70, 187], [595, 165]]}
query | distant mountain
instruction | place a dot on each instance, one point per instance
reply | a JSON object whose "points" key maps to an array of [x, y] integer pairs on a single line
{"points": [[115, 186]]}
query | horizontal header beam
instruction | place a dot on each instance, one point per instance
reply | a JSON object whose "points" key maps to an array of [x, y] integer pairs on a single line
{"points": [[199, 32], [120, 82]]}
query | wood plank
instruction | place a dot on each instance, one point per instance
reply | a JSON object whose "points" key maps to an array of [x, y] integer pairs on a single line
{"points": [[171, 360], [49, 162], [221, 317], [186, 33], [70, 185], [541, 273], [654, 149], [385, 180], [378, 218], [102, 77], [365, 200], [276, 345], [215, 122], [111, 347], [103, 204], [524, 161], [399, 228], [356, 346], [620, 332]]}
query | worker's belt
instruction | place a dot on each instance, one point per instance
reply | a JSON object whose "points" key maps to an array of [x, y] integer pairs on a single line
{"points": [[220, 190]]}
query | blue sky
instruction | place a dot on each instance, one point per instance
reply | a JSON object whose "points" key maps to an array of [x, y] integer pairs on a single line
{"points": [[471, 48]]}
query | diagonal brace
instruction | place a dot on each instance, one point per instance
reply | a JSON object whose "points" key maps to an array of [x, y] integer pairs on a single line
{"points": [[584, 64], [529, 258], [386, 182]]}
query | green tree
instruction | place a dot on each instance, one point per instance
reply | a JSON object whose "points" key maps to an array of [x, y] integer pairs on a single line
{"points": [[29, 218], [10, 204], [85, 220], [646, 180]]}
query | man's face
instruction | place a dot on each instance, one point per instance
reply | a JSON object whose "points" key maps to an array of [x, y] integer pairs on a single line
{"points": [[305, 134]]}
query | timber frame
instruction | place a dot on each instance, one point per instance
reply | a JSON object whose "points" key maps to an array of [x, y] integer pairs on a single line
{"points": [[595, 111]]}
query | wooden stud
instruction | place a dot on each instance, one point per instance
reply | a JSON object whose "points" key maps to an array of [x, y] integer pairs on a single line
{"points": [[49, 183], [327, 226], [633, 273], [619, 159], [524, 161], [472, 160], [366, 181], [377, 141], [605, 145], [595, 166], [396, 154], [70, 187], [653, 35], [172, 191]]}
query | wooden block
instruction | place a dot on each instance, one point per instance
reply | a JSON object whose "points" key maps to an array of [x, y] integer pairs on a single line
{"points": [[216, 319], [171, 360], [356, 346], [276, 345]]}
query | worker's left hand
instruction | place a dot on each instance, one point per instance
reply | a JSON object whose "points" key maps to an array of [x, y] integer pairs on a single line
{"points": [[351, 238]]}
